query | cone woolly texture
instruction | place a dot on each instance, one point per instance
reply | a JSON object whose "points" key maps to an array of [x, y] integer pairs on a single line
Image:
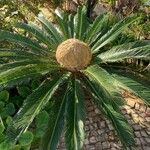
{"points": [[73, 54]]}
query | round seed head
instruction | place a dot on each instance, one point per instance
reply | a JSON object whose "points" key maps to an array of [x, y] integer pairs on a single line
{"points": [[73, 54]]}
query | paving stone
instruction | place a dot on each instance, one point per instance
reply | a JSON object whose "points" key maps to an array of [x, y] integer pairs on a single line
{"points": [[116, 145], [136, 127], [146, 147], [148, 132], [128, 117], [124, 111], [102, 124], [86, 141], [144, 134], [90, 108], [137, 134], [126, 107], [92, 114], [92, 140], [101, 131], [87, 128], [91, 120], [110, 127], [131, 122], [94, 133], [107, 121], [131, 103], [147, 140], [148, 119], [142, 115], [105, 145], [142, 108], [138, 142], [95, 125], [113, 148], [148, 109], [137, 106], [142, 141], [98, 146], [141, 119], [97, 111], [87, 122], [91, 127], [91, 147]]}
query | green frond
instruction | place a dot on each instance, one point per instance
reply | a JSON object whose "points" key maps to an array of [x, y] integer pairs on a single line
{"points": [[101, 100], [16, 54], [64, 26], [120, 124], [75, 116], [24, 41], [13, 75], [80, 23], [139, 49], [105, 83], [71, 25], [31, 107], [41, 35], [113, 33], [56, 122], [50, 29], [134, 83], [6, 66], [96, 28]]}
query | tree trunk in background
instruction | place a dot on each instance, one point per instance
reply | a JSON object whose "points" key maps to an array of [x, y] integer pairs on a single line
{"points": [[90, 6]]}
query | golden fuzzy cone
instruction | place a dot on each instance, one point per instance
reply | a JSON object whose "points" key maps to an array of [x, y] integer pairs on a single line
{"points": [[73, 54]]}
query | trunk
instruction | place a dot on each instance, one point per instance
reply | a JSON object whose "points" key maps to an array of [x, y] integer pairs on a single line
{"points": [[90, 6]]}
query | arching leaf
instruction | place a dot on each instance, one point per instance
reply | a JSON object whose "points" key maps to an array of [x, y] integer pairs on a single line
{"points": [[139, 49], [113, 33], [75, 116], [31, 107], [56, 123]]}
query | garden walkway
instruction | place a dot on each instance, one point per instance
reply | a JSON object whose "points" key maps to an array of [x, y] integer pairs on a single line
{"points": [[100, 133]]}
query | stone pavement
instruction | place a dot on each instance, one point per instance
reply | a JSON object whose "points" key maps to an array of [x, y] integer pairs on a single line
{"points": [[100, 134]]}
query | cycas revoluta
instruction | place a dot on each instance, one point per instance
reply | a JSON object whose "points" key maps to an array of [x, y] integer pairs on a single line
{"points": [[83, 62]]}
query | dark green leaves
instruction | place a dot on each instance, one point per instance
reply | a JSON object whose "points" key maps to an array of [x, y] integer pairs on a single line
{"points": [[50, 29], [96, 28], [4, 96], [41, 123], [106, 83], [75, 116], [23, 91], [81, 23], [2, 127], [41, 35], [139, 49], [31, 107], [14, 75], [134, 83], [56, 122], [64, 26], [113, 33], [24, 41], [10, 108], [26, 138]]}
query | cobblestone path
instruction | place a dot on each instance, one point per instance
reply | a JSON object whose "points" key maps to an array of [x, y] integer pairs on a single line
{"points": [[100, 134]]}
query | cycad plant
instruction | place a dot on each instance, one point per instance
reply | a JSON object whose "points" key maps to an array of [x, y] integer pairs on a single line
{"points": [[74, 55]]}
